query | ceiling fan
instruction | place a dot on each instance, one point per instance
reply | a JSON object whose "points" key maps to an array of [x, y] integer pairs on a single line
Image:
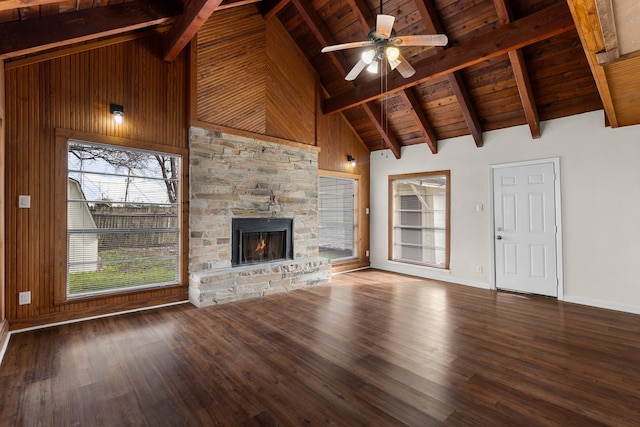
{"points": [[383, 44]]}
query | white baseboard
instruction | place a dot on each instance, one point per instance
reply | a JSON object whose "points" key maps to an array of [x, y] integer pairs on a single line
{"points": [[429, 273], [633, 309]]}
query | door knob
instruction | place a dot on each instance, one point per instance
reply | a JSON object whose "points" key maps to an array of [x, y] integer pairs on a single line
{"points": [[498, 237]]}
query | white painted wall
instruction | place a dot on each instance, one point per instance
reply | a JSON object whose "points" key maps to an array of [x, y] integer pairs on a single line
{"points": [[600, 181]]}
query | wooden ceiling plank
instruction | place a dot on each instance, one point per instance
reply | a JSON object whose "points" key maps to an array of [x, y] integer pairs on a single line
{"points": [[26, 37], [375, 114], [430, 18], [519, 67], [17, 4], [364, 15], [195, 15], [416, 111], [536, 27], [585, 15]]}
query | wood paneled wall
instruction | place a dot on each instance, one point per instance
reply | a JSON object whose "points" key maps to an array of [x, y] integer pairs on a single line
{"points": [[231, 62], [73, 92], [252, 77], [291, 88]]}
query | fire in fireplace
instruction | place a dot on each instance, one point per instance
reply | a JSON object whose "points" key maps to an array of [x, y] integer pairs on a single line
{"points": [[259, 240]]}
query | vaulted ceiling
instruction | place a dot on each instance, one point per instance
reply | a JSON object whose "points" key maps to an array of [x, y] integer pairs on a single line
{"points": [[507, 63]]}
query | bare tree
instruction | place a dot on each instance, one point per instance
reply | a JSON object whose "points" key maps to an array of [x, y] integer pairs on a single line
{"points": [[132, 162]]}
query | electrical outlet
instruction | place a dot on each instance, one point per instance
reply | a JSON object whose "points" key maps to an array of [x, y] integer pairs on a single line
{"points": [[24, 201], [479, 269], [24, 298], [366, 253]]}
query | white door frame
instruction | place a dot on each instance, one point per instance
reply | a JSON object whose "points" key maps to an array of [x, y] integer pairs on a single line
{"points": [[492, 233]]}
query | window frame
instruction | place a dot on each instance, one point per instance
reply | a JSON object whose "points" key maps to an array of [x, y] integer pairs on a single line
{"points": [[356, 213], [62, 138], [392, 209]]}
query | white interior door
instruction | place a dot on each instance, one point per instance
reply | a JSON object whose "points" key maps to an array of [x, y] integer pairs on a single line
{"points": [[525, 228]]}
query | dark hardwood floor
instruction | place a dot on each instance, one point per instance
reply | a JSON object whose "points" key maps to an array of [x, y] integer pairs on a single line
{"points": [[371, 348]]}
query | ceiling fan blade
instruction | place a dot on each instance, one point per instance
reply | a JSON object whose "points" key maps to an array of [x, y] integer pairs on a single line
{"points": [[346, 46], [421, 40], [355, 71], [405, 68], [384, 25]]}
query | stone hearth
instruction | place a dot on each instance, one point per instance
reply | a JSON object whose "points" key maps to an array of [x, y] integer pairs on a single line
{"points": [[238, 177]]}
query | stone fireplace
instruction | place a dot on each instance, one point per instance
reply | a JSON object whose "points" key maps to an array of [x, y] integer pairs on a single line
{"points": [[253, 217]]}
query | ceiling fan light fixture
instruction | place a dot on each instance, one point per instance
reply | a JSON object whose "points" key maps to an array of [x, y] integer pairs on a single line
{"points": [[368, 55], [393, 63], [392, 53], [373, 67]]}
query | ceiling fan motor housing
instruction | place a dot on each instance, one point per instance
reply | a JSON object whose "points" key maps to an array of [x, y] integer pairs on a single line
{"points": [[380, 43]]}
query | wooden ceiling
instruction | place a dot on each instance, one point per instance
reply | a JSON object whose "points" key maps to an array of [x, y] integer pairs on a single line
{"points": [[507, 63]]}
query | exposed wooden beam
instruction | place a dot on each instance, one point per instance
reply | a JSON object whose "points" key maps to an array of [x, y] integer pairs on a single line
{"points": [[536, 27], [17, 4], [195, 15], [321, 32], [609, 33], [416, 111], [36, 35], [430, 18], [375, 114], [460, 91], [519, 67], [272, 7], [585, 15]]}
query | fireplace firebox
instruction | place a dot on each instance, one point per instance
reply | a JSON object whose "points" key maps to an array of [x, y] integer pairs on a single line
{"points": [[260, 240]]}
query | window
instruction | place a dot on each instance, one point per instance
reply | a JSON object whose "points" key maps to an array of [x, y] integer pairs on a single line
{"points": [[337, 201], [419, 215], [122, 219]]}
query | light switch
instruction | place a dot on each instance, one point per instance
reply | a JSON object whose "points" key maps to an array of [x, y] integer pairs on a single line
{"points": [[24, 202], [479, 207]]}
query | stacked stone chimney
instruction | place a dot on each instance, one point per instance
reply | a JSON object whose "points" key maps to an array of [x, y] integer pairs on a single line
{"points": [[235, 176]]}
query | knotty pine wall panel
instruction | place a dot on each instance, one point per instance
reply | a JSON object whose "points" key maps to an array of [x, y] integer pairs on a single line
{"points": [[291, 88], [74, 92]]}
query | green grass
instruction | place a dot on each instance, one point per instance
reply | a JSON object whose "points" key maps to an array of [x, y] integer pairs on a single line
{"points": [[117, 274]]}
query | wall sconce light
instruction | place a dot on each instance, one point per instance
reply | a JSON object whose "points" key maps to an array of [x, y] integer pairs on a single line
{"points": [[117, 111], [352, 160]]}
